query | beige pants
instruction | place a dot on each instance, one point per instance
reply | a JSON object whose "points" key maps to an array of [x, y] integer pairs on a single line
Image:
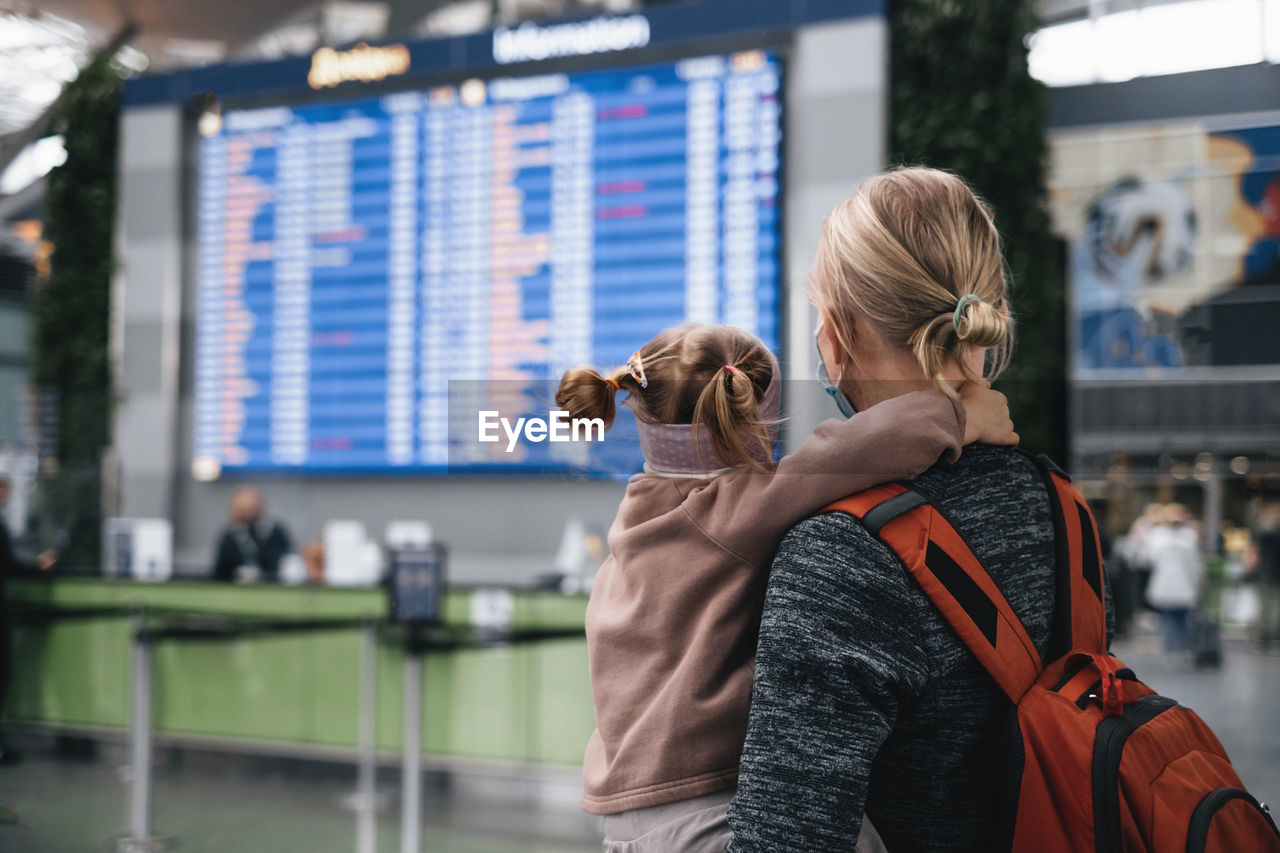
{"points": [[691, 826]]}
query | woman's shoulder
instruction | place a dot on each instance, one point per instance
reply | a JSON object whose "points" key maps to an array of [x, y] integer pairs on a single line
{"points": [[987, 484], [838, 595], [835, 550], [995, 460], [984, 475], [828, 532]]}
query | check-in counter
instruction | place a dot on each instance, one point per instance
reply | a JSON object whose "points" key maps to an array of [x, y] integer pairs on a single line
{"points": [[298, 691]]}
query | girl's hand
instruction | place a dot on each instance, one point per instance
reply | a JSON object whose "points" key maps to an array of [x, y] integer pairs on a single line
{"points": [[986, 415]]}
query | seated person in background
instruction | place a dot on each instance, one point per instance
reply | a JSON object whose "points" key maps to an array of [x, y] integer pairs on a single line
{"points": [[250, 541]]}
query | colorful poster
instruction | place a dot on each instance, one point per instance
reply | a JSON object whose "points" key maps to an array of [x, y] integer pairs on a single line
{"points": [[1175, 244]]}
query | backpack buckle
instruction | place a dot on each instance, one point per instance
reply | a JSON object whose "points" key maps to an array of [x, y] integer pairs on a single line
{"points": [[1112, 687]]}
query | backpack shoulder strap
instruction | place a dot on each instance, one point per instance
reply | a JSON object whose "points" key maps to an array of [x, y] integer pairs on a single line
{"points": [[1079, 615], [953, 578]]}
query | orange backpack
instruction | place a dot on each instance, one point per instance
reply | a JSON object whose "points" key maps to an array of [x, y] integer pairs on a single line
{"points": [[1096, 760]]}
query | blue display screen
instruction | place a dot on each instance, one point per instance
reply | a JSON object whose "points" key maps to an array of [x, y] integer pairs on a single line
{"points": [[374, 272]]}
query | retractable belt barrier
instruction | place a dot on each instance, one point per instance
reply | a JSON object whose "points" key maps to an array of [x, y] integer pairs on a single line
{"points": [[156, 625], [220, 628], [418, 640], [46, 615]]}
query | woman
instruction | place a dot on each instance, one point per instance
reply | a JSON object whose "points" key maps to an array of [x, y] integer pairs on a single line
{"points": [[1177, 571], [864, 699]]}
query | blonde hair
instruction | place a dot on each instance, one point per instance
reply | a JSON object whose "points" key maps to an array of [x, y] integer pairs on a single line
{"points": [[901, 252], [715, 376]]}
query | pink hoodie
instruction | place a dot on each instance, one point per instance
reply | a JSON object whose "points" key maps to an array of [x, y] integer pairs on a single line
{"points": [[672, 621]]}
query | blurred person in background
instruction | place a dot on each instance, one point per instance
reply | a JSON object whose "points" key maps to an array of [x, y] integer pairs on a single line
{"points": [[1235, 545], [1177, 571], [1239, 599], [1131, 550], [10, 564], [1117, 569], [252, 544], [1264, 566], [9, 560]]}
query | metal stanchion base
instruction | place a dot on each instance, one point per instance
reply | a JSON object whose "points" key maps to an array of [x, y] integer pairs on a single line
{"points": [[155, 844]]}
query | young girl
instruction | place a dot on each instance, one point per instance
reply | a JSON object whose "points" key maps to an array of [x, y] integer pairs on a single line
{"points": [[672, 621]]}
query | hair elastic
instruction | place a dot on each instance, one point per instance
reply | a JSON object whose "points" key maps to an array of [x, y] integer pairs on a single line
{"points": [[731, 368], [635, 366], [962, 304], [609, 380]]}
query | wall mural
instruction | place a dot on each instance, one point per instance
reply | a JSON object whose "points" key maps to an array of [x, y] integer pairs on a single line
{"points": [[1175, 244]]}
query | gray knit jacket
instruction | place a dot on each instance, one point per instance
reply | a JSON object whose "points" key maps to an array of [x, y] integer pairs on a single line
{"points": [[864, 698]]}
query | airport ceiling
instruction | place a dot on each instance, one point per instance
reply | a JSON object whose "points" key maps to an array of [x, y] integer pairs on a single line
{"points": [[234, 23], [43, 42], [162, 22]]}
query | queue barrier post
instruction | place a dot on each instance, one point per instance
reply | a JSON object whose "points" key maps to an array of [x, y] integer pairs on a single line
{"points": [[140, 735], [366, 770], [139, 839], [411, 760]]}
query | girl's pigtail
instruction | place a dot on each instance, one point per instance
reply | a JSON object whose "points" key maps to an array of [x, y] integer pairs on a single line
{"points": [[728, 408], [585, 393]]}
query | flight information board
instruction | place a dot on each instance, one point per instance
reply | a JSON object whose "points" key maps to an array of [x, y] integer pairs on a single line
{"points": [[372, 273]]}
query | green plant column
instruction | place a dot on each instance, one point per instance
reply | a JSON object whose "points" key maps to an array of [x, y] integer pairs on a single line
{"points": [[962, 100], [72, 311]]}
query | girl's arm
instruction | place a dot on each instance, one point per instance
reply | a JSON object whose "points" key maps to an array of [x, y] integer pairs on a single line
{"points": [[748, 513]]}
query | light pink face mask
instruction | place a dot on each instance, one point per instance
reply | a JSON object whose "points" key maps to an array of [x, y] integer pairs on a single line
{"points": [[687, 449]]}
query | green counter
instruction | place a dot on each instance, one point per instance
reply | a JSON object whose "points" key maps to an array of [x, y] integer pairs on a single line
{"points": [[524, 703]]}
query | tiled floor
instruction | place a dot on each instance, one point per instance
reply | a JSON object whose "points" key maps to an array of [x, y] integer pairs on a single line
{"points": [[75, 804]]}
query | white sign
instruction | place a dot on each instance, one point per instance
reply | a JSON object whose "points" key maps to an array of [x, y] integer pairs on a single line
{"points": [[532, 43], [140, 548], [492, 608]]}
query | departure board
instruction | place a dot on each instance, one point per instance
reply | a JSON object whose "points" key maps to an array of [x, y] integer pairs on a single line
{"points": [[374, 273]]}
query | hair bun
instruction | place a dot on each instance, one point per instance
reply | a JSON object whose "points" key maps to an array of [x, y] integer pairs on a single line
{"points": [[982, 325]]}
